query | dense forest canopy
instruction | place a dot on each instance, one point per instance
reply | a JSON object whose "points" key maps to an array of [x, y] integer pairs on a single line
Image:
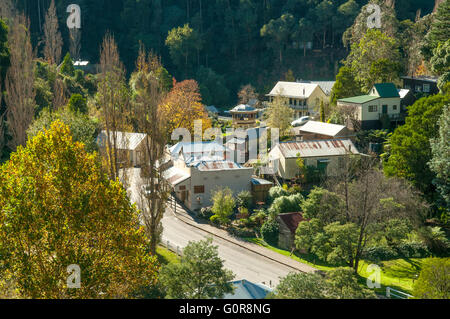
{"points": [[229, 37]]}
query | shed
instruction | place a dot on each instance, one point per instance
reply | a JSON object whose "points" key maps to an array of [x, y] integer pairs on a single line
{"points": [[288, 224]]}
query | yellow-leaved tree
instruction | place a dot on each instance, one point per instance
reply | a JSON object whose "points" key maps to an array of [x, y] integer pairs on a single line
{"points": [[57, 209], [183, 105]]}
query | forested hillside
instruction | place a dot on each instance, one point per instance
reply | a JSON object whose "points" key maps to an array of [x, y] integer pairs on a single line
{"points": [[228, 43]]}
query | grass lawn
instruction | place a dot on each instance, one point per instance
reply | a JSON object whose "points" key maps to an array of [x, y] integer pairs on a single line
{"points": [[165, 256], [398, 273]]}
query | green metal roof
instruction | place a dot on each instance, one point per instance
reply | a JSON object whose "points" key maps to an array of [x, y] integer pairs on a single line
{"points": [[386, 90], [359, 99]]}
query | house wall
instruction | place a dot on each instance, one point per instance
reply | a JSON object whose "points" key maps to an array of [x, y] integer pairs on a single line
{"points": [[285, 237], [365, 115], [236, 179], [290, 168]]}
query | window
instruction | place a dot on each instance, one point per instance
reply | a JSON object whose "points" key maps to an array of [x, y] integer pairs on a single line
{"points": [[394, 107], [426, 88], [295, 101], [290, 101], [418, 88], [200, 189], [182, 187], [372, 108]]}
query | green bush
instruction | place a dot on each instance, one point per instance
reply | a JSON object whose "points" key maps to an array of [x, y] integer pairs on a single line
{"points": [[244, 199], [205, 213], [215, 219], [403, 250], [276, 192], [270, 231], [77, 103], [286, 204]]}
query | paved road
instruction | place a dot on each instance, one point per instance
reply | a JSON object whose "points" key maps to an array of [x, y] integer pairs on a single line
{"points": [[245, 264]]}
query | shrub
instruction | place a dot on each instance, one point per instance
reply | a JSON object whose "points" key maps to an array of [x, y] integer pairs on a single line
{"points": [[205, 213], [270, 231], [244, 199], [241, 232], [378, 253], [413, 250], [286, 204], [215, 219], [77, 103], [276, 192], [258, 218], [403, 250]]}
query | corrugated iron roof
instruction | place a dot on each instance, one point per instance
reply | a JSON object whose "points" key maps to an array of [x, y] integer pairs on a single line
{"points": [[317, 148], [175, 176], [216, 165], [291, 220]]}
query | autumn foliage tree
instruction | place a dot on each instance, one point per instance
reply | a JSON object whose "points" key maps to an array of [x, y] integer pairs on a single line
{"points": [[52, 36], [57, 208], [183, 105]]}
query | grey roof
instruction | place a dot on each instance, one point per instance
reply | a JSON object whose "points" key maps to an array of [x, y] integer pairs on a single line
{"points": [[216, 165], [201, 148], [293, 89], [326, 86], [175, 176], [261, 181], [243, 108], [433, 79], [244, 289], [125, 140], [322, 128], [212, 109], [318, 148]]}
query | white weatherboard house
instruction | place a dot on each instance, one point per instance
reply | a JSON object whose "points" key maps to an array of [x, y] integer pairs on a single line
{"points": [[383, 99], [130, 146], [197, 171], [326, 155], [304, 98]]}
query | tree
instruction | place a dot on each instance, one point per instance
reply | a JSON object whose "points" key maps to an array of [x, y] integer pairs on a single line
{"points": [[434, 280], [148, 94], [4, 51], [181, 42], [322, 111], [440, 62], [199, 275], [409, 145], [113, 100], [345, 85], [301, 286], [269, 231], [439, 31], [440, 161], [247, 93], [279, 114], [223, 204], [73, 215], [343, 284], [304, 32], [183, 105], [365, 55], [67, 66], [278, 31], [82, 128], [77, 103], [212, 87], [19, 83], [286, 204], [52, 36]]}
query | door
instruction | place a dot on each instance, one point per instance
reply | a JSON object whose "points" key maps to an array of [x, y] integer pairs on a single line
{"points": [[385, 109]]}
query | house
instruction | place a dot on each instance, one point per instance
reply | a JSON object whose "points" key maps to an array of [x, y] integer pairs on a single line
{"points": [[244, 289], [326, 86], [326, 155], [407, 98], [366, 111], [244, 116], [130, 146], [198, 150], [303, 98], [314, 130], [288, 224], [421, 84], [212, 110], [196, 173]]}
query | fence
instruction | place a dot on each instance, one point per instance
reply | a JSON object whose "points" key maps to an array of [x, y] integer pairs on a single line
{"points": [[397, 294], [175, 249]]}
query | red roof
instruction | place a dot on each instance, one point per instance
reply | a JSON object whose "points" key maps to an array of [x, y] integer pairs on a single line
{"points": [[291, 220]]}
